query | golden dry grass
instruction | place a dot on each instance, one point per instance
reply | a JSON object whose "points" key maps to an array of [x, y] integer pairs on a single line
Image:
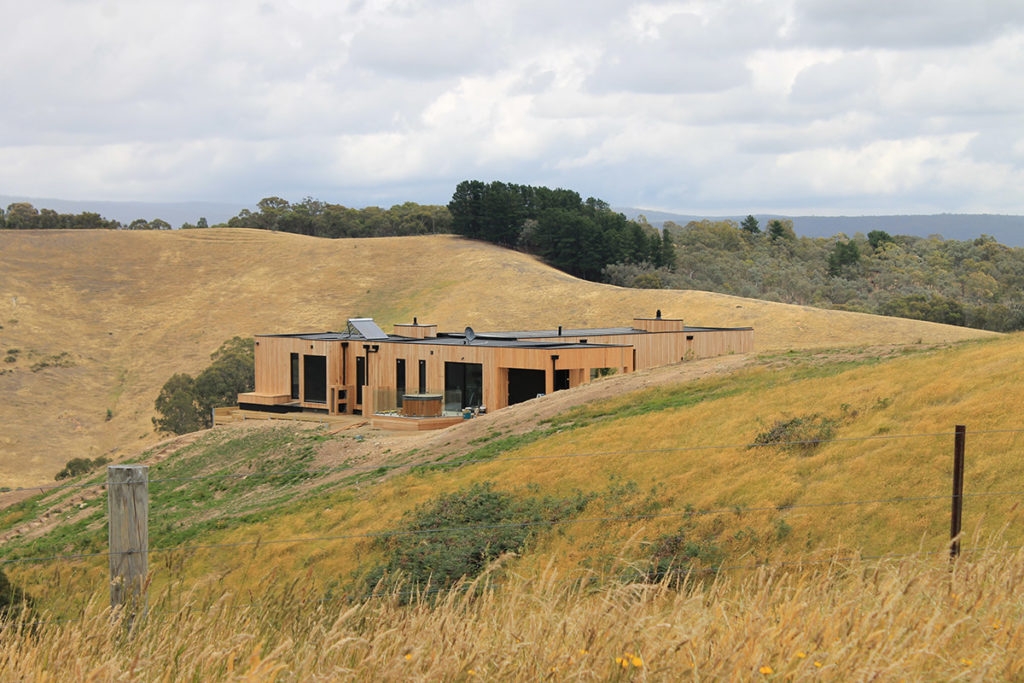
{"points": [[129, 309], [273, 607], [915, 619]]}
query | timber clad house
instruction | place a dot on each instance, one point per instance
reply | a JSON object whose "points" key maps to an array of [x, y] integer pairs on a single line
{"points": [[427, 379]]}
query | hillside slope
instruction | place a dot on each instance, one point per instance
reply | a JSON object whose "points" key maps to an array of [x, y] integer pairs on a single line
{"points": [[93, 323]]}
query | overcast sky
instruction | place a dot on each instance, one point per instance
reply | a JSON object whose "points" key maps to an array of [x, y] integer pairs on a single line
{"points": [[801, 107]]}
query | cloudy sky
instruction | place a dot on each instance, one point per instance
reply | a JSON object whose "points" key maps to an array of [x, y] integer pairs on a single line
{"points": [[721, 107]]}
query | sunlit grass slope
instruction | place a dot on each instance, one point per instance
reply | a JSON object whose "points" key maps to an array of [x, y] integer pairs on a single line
{"points": [[99, 320]]}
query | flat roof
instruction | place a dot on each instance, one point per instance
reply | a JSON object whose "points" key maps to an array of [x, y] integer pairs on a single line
{"points": [[587, 332], [364, 329], [501, 342], [444, 340], [535, 334]]}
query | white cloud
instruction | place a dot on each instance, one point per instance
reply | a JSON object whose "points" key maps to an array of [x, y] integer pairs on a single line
{"points": [[691, 105]]}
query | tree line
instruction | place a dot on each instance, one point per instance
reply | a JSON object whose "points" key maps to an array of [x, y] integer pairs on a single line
{"points": [[24, 216], [321, 219]]}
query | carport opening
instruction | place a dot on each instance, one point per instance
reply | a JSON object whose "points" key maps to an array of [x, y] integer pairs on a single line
{"points": [[525, 384]]}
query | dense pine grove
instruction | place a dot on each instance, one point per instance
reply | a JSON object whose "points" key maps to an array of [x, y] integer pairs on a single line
{"points": [[577, 236]]}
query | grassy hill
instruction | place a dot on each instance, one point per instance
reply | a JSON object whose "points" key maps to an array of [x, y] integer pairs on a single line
{"points": [[93, 323], [263, 535]]}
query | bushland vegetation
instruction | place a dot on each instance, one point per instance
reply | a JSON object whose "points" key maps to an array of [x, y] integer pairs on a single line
{"points": [[975, 283]]}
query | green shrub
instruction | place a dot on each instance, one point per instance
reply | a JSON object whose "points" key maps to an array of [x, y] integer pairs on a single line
{"points": [[461, 533], [800, 435], [78, 466], [12, 599]]}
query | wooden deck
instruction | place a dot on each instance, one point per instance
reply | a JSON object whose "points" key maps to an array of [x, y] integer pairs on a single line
{"points": [[400, 423]]}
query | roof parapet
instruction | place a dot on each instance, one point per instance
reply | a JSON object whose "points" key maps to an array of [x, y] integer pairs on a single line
{"points": [[415, 330], [659, 324]]}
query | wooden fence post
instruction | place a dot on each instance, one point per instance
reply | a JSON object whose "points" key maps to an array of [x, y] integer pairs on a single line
{"points": [[128, 506]]}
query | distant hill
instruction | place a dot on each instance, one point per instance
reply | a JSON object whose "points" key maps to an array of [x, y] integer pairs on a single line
{"points": [[1008, 230]]}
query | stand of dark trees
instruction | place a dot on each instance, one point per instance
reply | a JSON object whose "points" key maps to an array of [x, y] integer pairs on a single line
{"points": [[576, 236], [186, 403]]}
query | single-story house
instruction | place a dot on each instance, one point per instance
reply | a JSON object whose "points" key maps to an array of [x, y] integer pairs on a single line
{"points": [[417, 371]]}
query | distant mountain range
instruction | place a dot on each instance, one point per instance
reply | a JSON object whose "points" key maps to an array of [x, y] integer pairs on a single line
{"points": [[1008, 230]]}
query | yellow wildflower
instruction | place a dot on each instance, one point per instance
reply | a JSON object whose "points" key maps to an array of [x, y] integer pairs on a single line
{"points": [[766, 670], [801, 655]]}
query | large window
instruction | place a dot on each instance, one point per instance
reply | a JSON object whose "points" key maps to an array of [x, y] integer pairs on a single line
{"points": [[360, 378], [463, 386], [525, 384], [399, 379], [314, 374]]}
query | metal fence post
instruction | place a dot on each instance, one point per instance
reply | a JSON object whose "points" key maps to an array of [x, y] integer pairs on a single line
{"points": [[958, 491]]}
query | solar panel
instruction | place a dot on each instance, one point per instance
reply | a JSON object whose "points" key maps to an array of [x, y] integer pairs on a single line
{"points": [[366, 328]]}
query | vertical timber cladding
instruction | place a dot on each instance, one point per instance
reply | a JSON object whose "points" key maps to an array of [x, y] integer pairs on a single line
{"points": [[495, 362], [319, 373]]}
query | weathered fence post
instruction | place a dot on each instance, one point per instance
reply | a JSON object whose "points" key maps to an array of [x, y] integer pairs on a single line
{"points": [[958, 491], [128, 505]]}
